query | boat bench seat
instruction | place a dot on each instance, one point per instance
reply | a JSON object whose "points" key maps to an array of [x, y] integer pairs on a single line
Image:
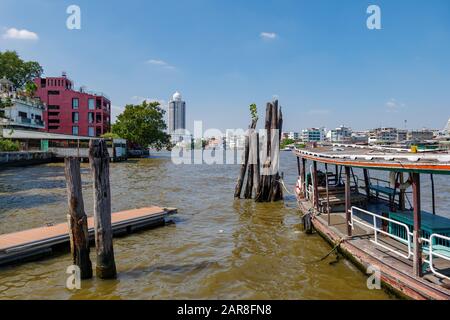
{"points": [[385, 190], [339, 199]]}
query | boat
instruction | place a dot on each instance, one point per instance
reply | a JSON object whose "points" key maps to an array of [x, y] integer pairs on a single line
{"points": [[379, 224]]}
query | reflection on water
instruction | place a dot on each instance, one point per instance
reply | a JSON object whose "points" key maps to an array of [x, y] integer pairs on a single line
{"points": [[218, 247]]}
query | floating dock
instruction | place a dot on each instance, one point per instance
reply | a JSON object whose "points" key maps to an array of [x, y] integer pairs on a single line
{"points": [[33, 243]]}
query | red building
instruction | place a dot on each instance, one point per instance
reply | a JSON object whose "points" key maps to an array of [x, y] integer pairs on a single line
{"points": [[73, 112]]}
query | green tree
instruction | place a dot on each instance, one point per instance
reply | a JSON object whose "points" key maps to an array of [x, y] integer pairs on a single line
{"points": [[286, 142], [8, 145], [18, 71], [144, 125], [110, 135], [30, 89]]}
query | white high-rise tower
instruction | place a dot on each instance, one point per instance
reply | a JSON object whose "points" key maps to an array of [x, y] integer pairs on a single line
{"points": [[176, 115], [447, 128]]}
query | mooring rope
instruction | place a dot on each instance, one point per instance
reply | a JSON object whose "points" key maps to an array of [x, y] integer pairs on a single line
{"points": [[332, 250], [284, 186]]}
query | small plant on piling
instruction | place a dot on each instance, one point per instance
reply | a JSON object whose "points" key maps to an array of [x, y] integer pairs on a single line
{"points": [[254, 112]]}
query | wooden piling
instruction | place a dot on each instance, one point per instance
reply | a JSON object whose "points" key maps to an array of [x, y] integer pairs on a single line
{"points": [[99, 162], [240, 182], [77, 219], [270, 184], [256, 170]]}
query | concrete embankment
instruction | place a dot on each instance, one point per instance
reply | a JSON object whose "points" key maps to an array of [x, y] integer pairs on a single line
{"points": [[23, 158]]}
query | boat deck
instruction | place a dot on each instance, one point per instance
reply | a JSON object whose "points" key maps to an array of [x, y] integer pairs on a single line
{"points": [[396, 271], [29, 244]]}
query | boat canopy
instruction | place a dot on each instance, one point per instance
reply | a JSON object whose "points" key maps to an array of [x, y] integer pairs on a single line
{"points": [[378, 158]]}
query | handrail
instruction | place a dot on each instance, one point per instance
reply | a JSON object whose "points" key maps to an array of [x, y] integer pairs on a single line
{"points": [[431, 253], [378, 230]]}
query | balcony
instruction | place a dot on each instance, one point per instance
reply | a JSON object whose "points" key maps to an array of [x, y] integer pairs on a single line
{"points": [[27, 122]]}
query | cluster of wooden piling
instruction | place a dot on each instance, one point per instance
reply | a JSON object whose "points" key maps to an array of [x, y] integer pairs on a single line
{"points": [[78, 228], [266, 186]]}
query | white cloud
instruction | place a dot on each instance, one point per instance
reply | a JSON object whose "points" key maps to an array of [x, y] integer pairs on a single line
{"points": [[268, 35], [23, 34], [160, 63], [140, 99], [393, 105]]}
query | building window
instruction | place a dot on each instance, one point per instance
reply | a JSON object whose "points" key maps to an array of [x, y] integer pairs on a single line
{"points": [[53, 92], [75, 103], [75, 117], [23, 114], [91, 131], [91, 117], [75, 130], [91, 104]]}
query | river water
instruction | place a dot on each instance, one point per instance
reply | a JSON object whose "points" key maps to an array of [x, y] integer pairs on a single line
{"points": [[217, 247]]}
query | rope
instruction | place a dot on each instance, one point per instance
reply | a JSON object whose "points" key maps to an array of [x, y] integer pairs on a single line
{"points": [[332, 250], [284, 186]]}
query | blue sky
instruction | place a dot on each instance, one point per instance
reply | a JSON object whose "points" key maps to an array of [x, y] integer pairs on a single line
{"points": [[318, 57]]}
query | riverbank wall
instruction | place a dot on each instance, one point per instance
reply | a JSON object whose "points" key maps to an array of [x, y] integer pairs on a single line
{"points": [[23, 158]]}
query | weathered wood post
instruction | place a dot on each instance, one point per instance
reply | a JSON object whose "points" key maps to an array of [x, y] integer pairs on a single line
{"points": [[240, 182], [77, 219], [348, 201], [417, 261], [256, 166], [99, 162]]}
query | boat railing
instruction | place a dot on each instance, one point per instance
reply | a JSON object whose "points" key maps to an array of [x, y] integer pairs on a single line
{"points": [[436, 250], [374, 225]]}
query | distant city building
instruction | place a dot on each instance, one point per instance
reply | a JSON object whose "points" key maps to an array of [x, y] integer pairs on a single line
{"points": [[402, 135], [176, 116], [313, 134], [383, 135], [341, 134], [79, 113], [420, 135], [22, 112], [291, 135], [360, 137]]}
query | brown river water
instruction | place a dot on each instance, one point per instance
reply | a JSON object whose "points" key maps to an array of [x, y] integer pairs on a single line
{"points": [[217, 247]]}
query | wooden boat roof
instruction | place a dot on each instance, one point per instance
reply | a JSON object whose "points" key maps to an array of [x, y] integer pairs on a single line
{"points": [[378, 158]]}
